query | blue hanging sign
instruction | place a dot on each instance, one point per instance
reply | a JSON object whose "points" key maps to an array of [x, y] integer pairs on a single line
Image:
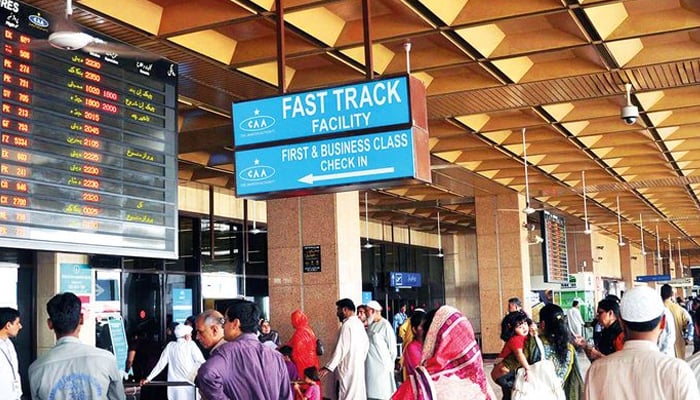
{"points": [[363, 106], [405, 279], [356, 159]]}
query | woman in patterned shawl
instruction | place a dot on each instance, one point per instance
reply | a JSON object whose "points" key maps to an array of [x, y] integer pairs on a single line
{"points": [[451, 365], [557, 347]]}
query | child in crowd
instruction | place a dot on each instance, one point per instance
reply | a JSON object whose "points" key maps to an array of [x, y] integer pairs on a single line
{"points": [[291, 367], [312, 391], [512, 355]]}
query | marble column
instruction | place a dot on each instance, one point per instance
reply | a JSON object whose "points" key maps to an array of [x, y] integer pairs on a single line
{"points": [[503, 261]]}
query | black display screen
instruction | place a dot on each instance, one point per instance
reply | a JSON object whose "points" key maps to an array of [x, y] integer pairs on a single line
{"points": [[88, 145]]}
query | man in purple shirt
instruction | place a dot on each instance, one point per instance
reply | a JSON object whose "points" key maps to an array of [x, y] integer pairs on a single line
{"points": [[243, 368]]}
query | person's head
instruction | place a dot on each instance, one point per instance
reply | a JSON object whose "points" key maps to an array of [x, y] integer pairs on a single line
{"points": [[190, 321], [608, 312], [265, 326], [374, 311], [183, 331], [344, 308], [666, 291], [9, 322], [643, 313], [299, 319], [362, 313], [514, 304], [574, 303], [286, 352], [553, 327], [242, 316], [311, 374], [612, 297], [518, 324], [65, 317], [417, 319], [210, 328], [402, 309]]}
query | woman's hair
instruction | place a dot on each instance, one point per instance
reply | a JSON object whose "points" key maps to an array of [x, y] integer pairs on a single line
{"points": [[312, 373], [610, 305], [555, 330]]}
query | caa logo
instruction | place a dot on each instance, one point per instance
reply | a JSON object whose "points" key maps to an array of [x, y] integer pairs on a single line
{"points": [[39, 21], [257, 123], [256, 173]]}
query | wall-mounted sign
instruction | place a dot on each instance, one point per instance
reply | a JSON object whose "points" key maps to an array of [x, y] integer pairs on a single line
{"points": [[556, 263], [653, 278], [366, 158], [405, 279], [182, 304], [362, 106], [311, 256]]}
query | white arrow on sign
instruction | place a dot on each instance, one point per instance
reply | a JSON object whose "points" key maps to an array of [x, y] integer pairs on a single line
{"points": [[311, 179]]}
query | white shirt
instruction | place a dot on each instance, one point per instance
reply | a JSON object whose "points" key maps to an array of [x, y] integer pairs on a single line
{"points": [[349, 359], [667, 339], [575, 321], [379, 367], [694, 363], [10, 385], [640, 371], [183, 358]]}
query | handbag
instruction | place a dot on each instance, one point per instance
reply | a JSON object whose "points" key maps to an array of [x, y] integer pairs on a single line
{"points": [[542, 381], [319, 347]]}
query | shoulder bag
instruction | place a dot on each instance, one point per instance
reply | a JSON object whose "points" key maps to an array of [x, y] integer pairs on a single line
{"points": [[542, 381]]}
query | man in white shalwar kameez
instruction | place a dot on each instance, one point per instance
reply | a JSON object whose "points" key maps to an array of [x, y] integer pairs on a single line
{"points": [[348, 359], [379, 367], [183, 358]]}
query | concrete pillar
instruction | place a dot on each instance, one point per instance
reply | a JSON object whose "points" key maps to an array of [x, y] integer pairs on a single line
{"points": [[331, 222], [626, 266], [504, 268]]}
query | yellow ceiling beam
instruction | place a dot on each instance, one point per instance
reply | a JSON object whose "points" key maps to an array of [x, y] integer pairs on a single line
{"points": [[484, 38], [606, 18], [319, 22], [141, 14], [625, 50], [267, 72], [446, 10], [475, 121], [515, 68], [559, 111], [381, 56], [209, 43]]}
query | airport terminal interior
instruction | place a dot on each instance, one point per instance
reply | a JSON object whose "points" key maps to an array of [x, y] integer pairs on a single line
{"points": [[540, 145]]}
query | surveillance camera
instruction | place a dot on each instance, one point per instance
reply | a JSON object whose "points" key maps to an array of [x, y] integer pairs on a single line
{"points": [[629, 114]]}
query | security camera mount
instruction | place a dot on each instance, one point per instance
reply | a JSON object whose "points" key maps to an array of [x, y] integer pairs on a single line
{"points": [[629, 112]]}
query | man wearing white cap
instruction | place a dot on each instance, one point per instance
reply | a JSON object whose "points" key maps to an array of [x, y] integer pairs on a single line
{"points": [[379, 366], [640, 370], [183, 358]]}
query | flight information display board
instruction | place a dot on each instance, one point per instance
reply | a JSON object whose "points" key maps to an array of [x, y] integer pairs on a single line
{"points": [[556, 263], [88, 146]]}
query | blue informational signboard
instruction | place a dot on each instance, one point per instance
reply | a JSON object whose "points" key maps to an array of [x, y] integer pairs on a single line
{"points": [[653, 278], [356, 159], [405, 279], [76, 278], [366, 297], [362, 106], [182, 304], [120, 346]]}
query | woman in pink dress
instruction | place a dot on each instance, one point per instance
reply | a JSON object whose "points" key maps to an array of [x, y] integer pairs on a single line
{"points": [[412, 352]]}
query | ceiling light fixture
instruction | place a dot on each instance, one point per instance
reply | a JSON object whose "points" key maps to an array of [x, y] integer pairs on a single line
{"points": [[658, 245], [587, 226], [620, 242], [528, 209], [368, 244]]}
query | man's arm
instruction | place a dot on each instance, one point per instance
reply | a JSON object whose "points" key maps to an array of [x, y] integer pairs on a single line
{"points": [[209, 381], [116, 385]]}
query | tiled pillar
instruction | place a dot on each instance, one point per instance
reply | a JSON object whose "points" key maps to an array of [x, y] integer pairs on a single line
{"points": [[330, 221], [503, 259], [462, 275]]}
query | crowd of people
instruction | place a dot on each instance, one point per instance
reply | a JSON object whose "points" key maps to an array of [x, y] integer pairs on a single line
{"points": [[630, 354]]}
